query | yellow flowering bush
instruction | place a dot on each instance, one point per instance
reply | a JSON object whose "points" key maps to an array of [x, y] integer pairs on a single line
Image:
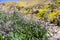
{"points": [[52, 16], [42, 12]]}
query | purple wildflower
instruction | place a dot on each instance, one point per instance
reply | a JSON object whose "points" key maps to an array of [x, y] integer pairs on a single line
{"points": [[6, 35]]}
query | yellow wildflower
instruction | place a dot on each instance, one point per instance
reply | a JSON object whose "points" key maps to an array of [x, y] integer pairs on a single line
{"points": [[3, 37]]}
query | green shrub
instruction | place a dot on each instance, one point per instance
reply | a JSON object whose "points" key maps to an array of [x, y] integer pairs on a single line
{"points": [[22, 29]]}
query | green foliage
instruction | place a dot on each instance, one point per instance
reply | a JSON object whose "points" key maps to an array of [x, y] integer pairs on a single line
{"points": [[22, 29]]}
